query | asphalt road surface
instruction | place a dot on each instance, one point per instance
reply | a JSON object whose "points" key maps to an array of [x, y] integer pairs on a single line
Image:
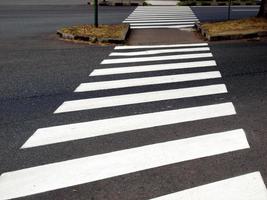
{"points": [[38, 73]]}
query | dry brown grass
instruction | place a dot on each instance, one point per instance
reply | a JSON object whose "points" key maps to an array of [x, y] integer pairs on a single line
{"points": [[241, 26], [103, 31]]}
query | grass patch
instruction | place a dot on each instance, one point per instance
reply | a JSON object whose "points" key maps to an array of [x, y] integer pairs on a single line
{"points": [[103, 31], [243, 26]]}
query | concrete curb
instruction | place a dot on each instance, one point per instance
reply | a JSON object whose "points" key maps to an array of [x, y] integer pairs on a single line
{"points": [[87, 38], [218, 37]]}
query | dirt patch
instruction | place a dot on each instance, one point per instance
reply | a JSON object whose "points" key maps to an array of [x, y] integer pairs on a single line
{"points": [[242, 26], [115, 33]]}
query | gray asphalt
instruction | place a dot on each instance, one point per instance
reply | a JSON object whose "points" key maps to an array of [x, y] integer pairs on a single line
{"points": [[38, 72], [220, 13]]}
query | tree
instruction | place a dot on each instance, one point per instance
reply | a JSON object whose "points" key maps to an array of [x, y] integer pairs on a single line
{"points": [[263, 9], [96, 12]]}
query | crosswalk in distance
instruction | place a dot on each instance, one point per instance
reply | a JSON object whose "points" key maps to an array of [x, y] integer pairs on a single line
{"points": [[148, 17], [119, 71]]}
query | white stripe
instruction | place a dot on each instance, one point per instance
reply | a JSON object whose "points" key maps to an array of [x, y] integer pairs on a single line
{"points": [[155, 20], [159, 18], [167, 20], [162, 23], [162, 14], [156, 58], [161, 8], [63, 133], [138, 13], [160, 51], [174, 13], [148, 68], [161, 46], [246, 187], [93, 168], [124, 83], [103, 102], [174, 26], [161, 11]]}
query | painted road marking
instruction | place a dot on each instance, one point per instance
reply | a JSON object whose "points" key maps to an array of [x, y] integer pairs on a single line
{"points": [[160, 20], [152, 15], [150, 68], [156, 58], [160, 16], [70, 132], [144, 14], [162, 10], [164, 23], [163, 2], [161, 46], [103, 102], [159, 51], [174, 26], [170, 13], [245, 187], [93, 168], [134, 82]]}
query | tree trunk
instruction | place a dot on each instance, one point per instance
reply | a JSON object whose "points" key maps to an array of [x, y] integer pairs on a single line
{"points": [[263, 9]]}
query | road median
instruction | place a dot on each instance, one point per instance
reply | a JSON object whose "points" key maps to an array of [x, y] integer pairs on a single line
{"points": [[234, 29], [115, 33]]}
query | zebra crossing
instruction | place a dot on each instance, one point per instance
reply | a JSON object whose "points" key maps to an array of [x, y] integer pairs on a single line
{"points": [[148, 17], [164, 2], [131, 60]]}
